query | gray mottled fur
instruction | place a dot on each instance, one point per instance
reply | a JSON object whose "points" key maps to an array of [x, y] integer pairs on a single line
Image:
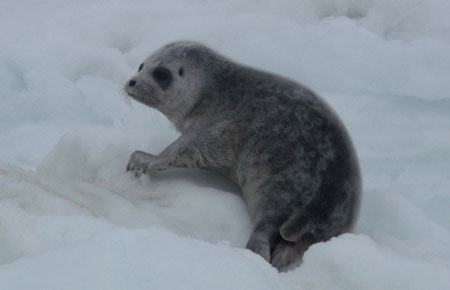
{"points": [[282, 144]]}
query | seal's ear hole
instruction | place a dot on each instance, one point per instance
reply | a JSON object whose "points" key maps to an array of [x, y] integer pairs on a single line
{"points": [[162, 76], [181, 72], [140, 67]]}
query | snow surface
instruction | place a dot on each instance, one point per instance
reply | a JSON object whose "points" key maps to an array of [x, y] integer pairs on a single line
{"points": [[70, 218]]}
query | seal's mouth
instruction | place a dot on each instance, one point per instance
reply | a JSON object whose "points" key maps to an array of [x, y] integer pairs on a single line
{"points": [[131, 92], [128, 91], [141, 97]]}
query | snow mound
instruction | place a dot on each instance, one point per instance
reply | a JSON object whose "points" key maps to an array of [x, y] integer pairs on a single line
{"points": [[84, 178], [335, 264], [142, 259]]}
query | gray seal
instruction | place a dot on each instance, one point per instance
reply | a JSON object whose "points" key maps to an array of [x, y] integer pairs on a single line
{"points": [[277, 140]]}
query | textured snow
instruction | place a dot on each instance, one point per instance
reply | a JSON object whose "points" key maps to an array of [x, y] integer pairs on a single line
{"points": [[70, 218]]}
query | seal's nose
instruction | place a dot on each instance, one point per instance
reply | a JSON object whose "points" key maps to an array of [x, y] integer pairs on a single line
{"points": [[132, 83]]}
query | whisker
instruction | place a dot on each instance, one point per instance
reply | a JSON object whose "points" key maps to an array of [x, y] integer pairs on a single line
{"points": [[124, 95]]}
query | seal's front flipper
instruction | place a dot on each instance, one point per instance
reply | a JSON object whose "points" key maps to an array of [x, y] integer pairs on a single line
{"points": [[140, 162]]}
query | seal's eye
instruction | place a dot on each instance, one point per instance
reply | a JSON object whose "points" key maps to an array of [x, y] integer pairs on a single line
{"points": [[162, 76], [140, 67], [181, 72]]}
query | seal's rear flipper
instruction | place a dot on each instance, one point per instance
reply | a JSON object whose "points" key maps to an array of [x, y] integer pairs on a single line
{"points": [[294, 228], [262, 240], [287, 254]]}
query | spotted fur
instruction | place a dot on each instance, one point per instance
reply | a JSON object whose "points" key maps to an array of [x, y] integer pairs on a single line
{"points": [[281, 143]]}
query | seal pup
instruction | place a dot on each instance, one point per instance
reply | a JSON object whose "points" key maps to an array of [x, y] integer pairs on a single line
{"points": [[277, 140]]}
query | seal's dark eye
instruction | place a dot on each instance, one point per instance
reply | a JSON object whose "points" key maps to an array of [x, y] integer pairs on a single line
{"points": [[140, 67], [162, 76], [181, 72]]}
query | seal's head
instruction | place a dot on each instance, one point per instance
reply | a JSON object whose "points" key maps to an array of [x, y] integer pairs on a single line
{"points": [[171, 79]]}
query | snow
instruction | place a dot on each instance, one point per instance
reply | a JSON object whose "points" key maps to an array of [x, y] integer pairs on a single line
{"points": [[172, 262], [70, 218]]}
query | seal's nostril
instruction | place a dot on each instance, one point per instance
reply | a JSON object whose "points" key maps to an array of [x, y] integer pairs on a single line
{"points": [[132, 83]]}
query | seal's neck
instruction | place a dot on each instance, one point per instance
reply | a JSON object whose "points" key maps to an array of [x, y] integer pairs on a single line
{"points": [[184, 115], [176, 117]]}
